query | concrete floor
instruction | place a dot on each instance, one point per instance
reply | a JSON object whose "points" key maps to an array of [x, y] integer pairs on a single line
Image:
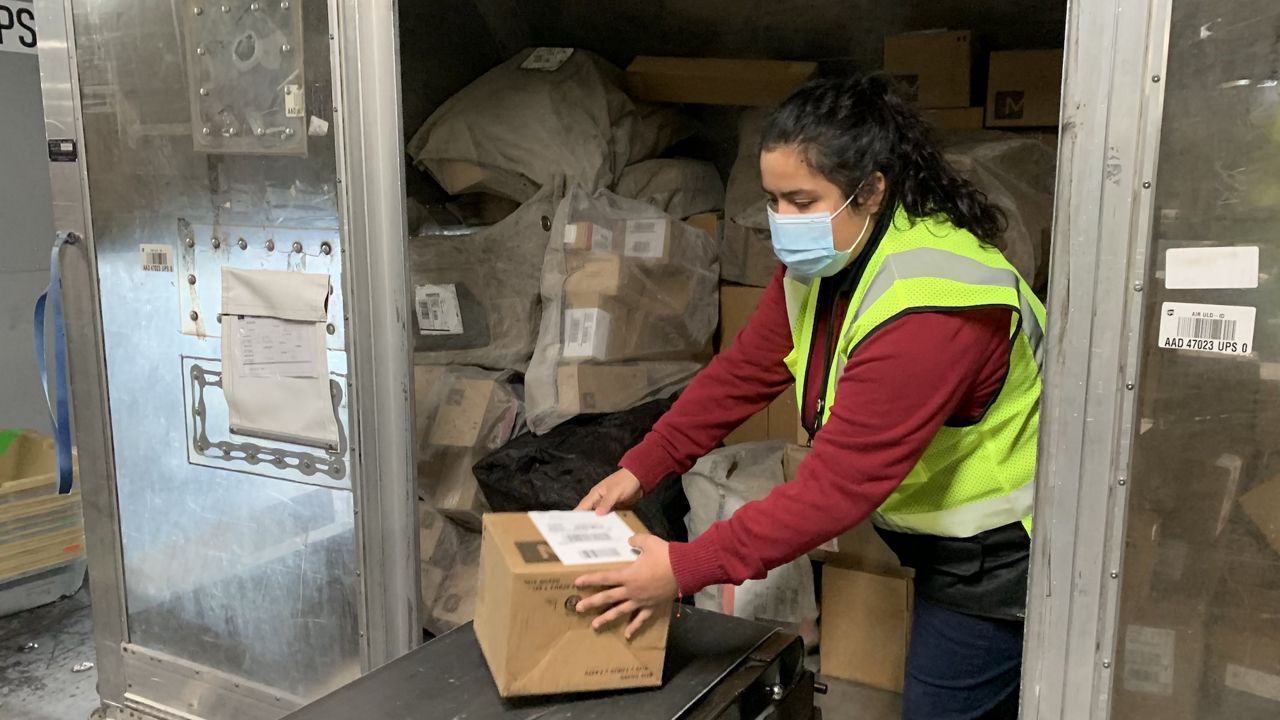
{"points": [[38, 684]]}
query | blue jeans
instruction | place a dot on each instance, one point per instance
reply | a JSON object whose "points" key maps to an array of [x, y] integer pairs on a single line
{"points": [[961, 667]]}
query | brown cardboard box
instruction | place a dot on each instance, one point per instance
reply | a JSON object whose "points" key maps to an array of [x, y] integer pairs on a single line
{"points": [[779, 421], [715, 81], [533, 640], [1160, 660], [1024, 88], [590, 237], [1262, 505], [710, 223], [459, 419], [934, 68], [866, 625], [1243, 672], [612, 329], [956, 118], [456, 602], [737, 304], [425, 378], [746, 255], [451, 485], [597, 389], [662, 289]]}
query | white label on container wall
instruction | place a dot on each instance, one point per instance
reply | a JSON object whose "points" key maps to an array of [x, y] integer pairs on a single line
{"points": [[1254, 682], [1211, 268], [646, 238], [1149, 659], [295, 103], [1224, 329], [438, 310], [17, 26], [156, 258]]}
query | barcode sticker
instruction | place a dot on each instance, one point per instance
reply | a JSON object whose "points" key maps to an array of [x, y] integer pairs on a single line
{"points": [[1224, 329], [156, 258], [438, 310], [1148, 660], [586, 333], [646, 238], [547, 59], [581, 538]]}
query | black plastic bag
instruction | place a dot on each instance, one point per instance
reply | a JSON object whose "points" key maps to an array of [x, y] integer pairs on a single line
{"points": [[555, 471]]}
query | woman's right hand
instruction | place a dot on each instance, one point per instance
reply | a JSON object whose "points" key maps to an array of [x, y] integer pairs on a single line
{"points": [[619, 491]]}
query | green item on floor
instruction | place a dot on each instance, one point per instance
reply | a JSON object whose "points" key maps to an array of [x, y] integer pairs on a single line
{"points": [[7, 437]]}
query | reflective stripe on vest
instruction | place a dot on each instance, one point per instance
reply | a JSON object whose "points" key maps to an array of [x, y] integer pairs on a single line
{"points": [[969, 479]]}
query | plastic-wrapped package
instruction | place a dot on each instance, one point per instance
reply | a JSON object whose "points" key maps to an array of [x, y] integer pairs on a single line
{"points": [[1017, 173], [629, 308], [716, 487], [680, 187], [463, 414], [746, 252], [555, 471], [477, 297], [515, 128], [449, 568]]}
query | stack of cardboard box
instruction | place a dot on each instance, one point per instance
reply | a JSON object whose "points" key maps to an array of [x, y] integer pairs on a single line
{"points": [[943, 71], [781, 420]]}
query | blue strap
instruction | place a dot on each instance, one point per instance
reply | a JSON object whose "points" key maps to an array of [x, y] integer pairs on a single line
{"points": [[60, 404]]}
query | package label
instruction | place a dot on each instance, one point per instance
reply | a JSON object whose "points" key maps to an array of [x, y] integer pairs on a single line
{"points": [[1148, 660], [1254, 682], [583, 538], [156, 258], [295, 105], [1223, 329], [586, 332], [601, 238], [438, 310], [646, 238], [1211, 268], [547, 59], [271, 347]]}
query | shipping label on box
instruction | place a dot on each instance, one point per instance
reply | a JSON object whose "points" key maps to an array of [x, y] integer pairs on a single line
{"points": [[648, 240], [438, 310], [589, 237], [596, 389], [586, 334]]}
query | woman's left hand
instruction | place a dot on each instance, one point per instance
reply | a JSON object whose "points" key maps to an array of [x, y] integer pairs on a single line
{"points": [[643, 588]]}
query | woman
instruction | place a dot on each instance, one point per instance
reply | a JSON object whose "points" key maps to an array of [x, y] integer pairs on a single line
{"points": [[915, 347]]}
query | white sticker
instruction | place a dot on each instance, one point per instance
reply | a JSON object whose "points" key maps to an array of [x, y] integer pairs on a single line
{"points": [[602, 240], [1148, 660], [583, 538], [19, 33], [547, 59], [438, 310], [586, 333], [156, 258], [571, 234], [646, 238], [1211, 268], [318, 127], [295, 103], [1254, 682], [271, 348], [1225, 329]]}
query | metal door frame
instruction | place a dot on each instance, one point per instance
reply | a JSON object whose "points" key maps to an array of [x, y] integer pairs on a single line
{"points": [[364, 56], [1113, 99]]}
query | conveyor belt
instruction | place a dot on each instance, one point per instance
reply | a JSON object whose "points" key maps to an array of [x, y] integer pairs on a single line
{"points": [[447, 678]]}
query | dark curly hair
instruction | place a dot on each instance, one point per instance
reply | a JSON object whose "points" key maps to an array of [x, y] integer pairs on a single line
{"points": [[849, 128]]}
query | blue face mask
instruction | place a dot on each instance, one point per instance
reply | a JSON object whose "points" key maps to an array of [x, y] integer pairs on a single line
{"points": [[806, 243]]}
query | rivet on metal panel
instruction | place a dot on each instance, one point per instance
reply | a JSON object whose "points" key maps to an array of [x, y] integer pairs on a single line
{"points": [[286, 48], [232, 132], [1146, 185], [255, 7], [191, 242], [284, 5], [242, 244], [198, 11], [288, 132], [260, 132], [204, 92], [194, 315], [325, 248], [200, 51], [1123, 482], [546, 223], [1106, 663], [207, 131], [1137, 287], [1114, 574], [339, 181], [357, 573], [297, 247], [1128, 386], [271, 245], [361, 633], [191, 279], [226, 8], [1155, 78], [216, 242], [331, 330]]}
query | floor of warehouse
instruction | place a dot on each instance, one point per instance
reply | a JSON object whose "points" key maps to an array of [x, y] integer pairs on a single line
{"points": [[37, 683]]}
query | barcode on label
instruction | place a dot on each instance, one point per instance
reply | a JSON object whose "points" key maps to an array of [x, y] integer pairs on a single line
{"points": [[599, 554], [431, 307], [438, 310], [1224, 329], [156, 258], [587, 537], [646, 238], [1207, 328], [584, 330]]}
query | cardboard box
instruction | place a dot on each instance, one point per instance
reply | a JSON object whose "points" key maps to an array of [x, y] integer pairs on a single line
{"points": [[444, 475], [1160, 660], [935, 68], [425, 378], [1262, 505], [590, 237], [661, 289], [710, 223], [1243, 672], [599, 389], [459, 419], [1160, 565], [746, 255], [779, 421], [1024, 89], [612, 329], [866, 627], [715, 81], [533, 640], [456, 602], [956, 118]]}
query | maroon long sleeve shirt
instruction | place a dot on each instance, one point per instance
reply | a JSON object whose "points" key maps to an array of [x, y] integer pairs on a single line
{"points": [[901, 385]]}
